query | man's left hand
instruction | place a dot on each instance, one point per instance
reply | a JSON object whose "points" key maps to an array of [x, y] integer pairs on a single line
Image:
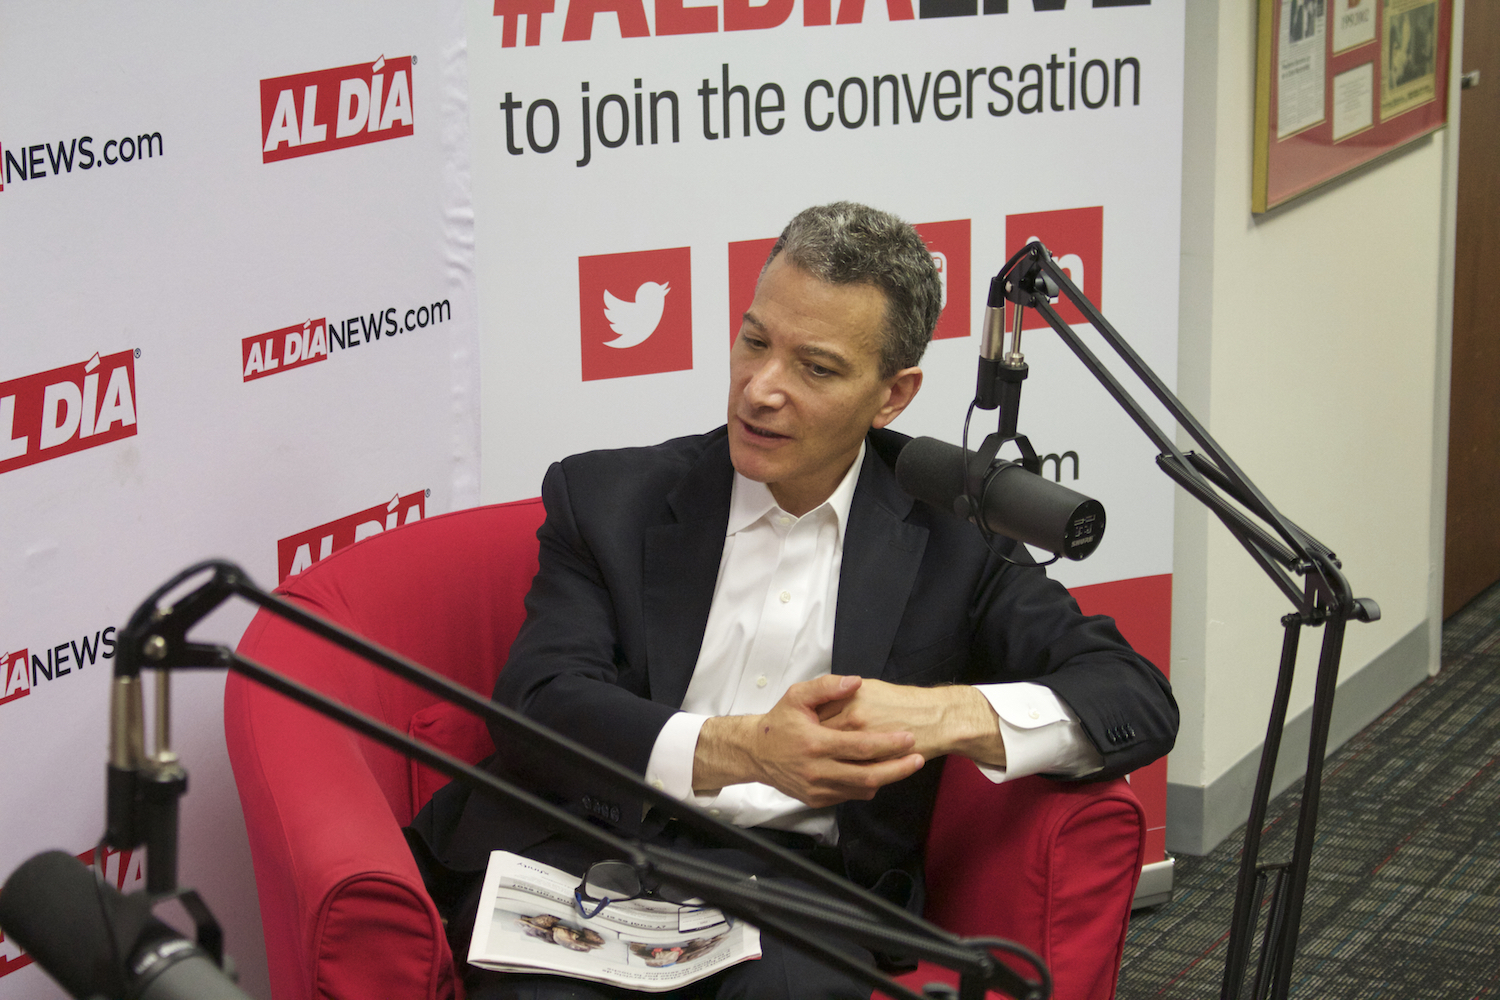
{"points": [[951, 719]]}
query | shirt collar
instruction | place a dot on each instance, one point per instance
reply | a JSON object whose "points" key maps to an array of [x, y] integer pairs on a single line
{"points": [[750, 501]]}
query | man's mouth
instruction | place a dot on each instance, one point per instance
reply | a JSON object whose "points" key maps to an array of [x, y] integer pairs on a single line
{"points": [[761, 432]]}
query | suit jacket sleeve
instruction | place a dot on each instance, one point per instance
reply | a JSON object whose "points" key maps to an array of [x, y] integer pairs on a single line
{"points": [[1027, 624], [569, 667], [923, 600]]}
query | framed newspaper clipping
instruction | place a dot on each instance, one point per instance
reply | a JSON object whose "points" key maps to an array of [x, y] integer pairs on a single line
{"points": [[1340, 83]]}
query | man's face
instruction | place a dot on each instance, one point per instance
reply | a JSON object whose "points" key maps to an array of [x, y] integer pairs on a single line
{"points": [[805, 385]]}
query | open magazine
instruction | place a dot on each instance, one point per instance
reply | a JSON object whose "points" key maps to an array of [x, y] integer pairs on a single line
{"points": [[528, 922]]}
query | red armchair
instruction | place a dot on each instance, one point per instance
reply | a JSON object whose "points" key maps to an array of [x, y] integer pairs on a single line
{"points": [[1051, 865]]}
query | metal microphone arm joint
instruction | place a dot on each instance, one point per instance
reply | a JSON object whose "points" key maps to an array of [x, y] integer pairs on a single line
{"points": [[1025, 281]]}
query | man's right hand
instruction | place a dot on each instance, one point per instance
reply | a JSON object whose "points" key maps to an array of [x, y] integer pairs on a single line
{"points": [[789, 749]]}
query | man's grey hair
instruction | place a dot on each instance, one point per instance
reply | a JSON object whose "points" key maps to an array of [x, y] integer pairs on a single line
{"points": [[849, 244]]}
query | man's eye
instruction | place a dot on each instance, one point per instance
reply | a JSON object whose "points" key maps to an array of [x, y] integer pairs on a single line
{"points": [[820, 371]]}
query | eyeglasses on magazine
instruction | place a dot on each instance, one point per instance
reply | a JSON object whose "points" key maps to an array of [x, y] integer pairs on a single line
{"points": [[614, 881]]}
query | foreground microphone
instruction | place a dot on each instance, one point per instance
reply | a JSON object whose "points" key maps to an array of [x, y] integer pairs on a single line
{"points": [[54, 908], [1012, 502]]}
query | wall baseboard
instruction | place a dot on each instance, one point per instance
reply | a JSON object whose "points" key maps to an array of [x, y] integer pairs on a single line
{"points": [[1198, 818], [1155, 886]]}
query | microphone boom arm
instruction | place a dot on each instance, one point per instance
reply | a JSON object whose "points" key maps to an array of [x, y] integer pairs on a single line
{"points": [[1284, 552], [139, 812]]}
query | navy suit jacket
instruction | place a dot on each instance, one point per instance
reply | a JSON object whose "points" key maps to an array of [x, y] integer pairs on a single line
{"points": [[630, 554]]}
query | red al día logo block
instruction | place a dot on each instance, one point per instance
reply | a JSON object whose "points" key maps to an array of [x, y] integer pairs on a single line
{"points": [[15, 679], [327, 109], [67, 409], [948, 242], [295, 553], [282, 350], [636, 313], [1075, 237], [124, 870]]}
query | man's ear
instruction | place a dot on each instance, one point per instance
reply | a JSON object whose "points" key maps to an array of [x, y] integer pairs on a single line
{"points": [[903, 389]]}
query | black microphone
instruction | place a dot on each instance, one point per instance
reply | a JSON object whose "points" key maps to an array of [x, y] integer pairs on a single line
{"points": [[54, 908], [1012, 502]]}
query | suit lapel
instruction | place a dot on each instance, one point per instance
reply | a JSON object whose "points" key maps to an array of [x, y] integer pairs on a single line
{"points": [[882, 553], [681, 568]]}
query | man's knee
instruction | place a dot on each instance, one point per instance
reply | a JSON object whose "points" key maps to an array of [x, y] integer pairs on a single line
{"points": [[784, 973]]}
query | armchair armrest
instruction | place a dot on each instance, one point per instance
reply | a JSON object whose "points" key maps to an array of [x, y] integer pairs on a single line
{"points": [[342, 904], [1051, 865]]}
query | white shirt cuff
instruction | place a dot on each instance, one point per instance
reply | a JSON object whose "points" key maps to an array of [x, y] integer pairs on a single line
{"points": [[1041, 734], [670, 768]]}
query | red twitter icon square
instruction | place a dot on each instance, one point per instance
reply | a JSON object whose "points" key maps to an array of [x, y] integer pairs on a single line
{"points": [[636, 313]]}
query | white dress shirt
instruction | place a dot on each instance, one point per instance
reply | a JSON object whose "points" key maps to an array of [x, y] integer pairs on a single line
{"points": [[771, 626]]}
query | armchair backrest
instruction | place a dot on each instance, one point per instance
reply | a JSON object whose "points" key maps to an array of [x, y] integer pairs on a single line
{"points": [[342, 906], [446, 592]]}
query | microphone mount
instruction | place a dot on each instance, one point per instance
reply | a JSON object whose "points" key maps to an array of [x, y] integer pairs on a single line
{"points": [[1002, 371]]}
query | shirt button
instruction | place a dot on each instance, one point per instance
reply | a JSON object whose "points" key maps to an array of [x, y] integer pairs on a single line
{"points": [[714, 812], [1034, 714], [760, 681], [657, 784], [783, 520], [786, 595]]}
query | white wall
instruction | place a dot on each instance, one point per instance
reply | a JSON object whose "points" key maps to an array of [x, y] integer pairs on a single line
{"points": [[1310, 344]]}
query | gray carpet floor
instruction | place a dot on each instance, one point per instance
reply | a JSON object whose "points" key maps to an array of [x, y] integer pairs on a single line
{"points": [[1403, 898]]}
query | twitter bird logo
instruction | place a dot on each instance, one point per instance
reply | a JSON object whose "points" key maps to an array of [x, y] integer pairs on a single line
{"points": [[635, 321]]}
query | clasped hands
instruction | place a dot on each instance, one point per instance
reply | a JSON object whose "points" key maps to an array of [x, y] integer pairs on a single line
{"points": [[838, 737]]}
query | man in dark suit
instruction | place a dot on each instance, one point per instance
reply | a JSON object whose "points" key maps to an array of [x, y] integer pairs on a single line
{"points": [[760, 621]]}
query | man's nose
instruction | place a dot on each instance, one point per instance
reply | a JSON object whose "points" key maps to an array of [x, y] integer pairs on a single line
{"points": [[766, 385]]}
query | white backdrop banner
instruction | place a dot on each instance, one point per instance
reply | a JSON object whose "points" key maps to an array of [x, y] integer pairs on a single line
{"points": [[239, 320], [633, 149], [243, 274]]}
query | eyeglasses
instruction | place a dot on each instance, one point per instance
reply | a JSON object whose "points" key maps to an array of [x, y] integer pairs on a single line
{"points": [[611, 881]]}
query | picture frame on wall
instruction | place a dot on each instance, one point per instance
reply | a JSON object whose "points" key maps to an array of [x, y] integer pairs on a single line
{"points": [[1340, 83]]}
